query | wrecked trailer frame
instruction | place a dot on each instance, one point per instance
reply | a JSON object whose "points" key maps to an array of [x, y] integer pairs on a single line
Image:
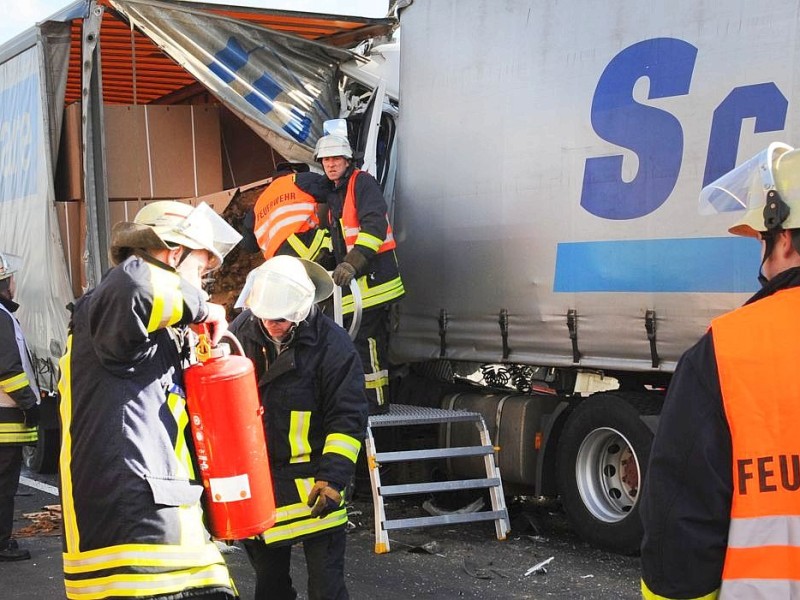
{"points": [[61, 61]]}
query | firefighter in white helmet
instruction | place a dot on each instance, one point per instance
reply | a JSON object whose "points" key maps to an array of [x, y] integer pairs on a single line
{"points": [[133, 524], [364, 249], [19, 405], [721, 500], [311, 384]]}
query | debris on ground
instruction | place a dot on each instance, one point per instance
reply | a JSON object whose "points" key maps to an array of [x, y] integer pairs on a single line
{"points": [[434, 510], [539, 568], [481, 571], [428, 548], [524, 523], [45, 522]]}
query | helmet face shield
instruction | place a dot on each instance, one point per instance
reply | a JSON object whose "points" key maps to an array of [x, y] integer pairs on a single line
{"points": [[285, 287], [275, 296], [169, 223], [9, 264], [745, 188], [208, 231]]}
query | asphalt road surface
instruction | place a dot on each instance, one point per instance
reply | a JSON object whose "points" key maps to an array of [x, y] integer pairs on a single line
{"points": [[460, 561]]}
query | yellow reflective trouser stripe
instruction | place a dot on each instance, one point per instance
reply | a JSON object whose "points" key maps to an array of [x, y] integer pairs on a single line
{"points": [[648, 595], [71, 534], [147, 584], [17, 382], [299, 425], [346, 445], [378, 379], [16, 433], [321, 240], [368, 241], [167, 298], [280, 532], [376, 295]]}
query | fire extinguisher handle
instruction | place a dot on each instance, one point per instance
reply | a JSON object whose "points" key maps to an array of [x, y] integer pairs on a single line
{"points": [[203, 348], [235, 342]]}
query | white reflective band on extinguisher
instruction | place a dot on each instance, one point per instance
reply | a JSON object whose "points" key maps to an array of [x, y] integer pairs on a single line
{"points": [[230, 489]]}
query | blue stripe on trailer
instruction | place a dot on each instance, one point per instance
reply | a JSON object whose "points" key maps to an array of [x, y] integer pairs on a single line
{"points": [[718, 264]]}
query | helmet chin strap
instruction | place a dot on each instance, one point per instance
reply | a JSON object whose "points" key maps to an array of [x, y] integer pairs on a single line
{"points": [[776, 211], [769, 241]]}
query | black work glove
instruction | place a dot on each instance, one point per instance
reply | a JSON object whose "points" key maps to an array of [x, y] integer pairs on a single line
{"points": [[343, 274], [31, 416], [323, 499], [353, 265]]}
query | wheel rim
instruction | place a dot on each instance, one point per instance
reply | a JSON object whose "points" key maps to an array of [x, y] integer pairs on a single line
{"points": [[607, 474]]}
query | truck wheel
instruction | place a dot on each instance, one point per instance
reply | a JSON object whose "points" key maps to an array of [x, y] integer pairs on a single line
{"points": [[602, 456], [43, 457]]}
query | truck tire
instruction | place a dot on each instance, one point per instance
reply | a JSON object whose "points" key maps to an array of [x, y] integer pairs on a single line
{"points": [[43, 457], [602, 456]]}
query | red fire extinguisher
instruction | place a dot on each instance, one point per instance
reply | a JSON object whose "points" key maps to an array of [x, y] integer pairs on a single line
{"points": [[225, 416]]}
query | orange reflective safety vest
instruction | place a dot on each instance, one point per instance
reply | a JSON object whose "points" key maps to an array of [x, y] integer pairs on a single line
{"points": [[351, 228], [281, 210], [760, 382]]}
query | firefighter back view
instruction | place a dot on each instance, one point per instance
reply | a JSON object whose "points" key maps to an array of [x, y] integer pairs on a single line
{"points": [[19, 409], [133, 523], [720, 505], [284, 218]]}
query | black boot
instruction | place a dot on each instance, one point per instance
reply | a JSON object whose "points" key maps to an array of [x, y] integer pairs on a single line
{"points": [[11, 551]]}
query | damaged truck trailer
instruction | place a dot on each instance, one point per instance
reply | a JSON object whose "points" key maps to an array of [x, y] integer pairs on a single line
{"points": [[542, 178], [549, 160], [107, 105]]}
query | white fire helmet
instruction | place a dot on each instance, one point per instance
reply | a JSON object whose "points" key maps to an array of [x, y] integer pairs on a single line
{"points": [[285, 287], [766, 187], [167, 223], [332, 145], [9, 264]]}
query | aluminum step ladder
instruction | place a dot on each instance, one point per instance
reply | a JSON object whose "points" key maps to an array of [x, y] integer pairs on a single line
{"points": [[401, 415]]}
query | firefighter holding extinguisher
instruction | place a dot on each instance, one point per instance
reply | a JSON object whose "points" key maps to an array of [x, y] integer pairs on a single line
{"points": [[133, 523], [311, 384]]}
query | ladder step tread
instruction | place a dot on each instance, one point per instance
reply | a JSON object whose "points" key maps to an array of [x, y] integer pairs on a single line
{"points": [[438, 486], [390, 524], [430, 453]]}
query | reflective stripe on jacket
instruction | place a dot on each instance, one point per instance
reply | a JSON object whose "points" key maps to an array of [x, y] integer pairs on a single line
{"points": [[283, 209], [757, 364], [351, 227], [358, 219], [18, 389], [133, 524]]}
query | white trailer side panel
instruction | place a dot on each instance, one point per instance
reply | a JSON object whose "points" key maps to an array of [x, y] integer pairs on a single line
{"points": [[551, 155]]}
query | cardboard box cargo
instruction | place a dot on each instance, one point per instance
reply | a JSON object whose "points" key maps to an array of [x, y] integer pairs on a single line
{"points": [[152, 152]]}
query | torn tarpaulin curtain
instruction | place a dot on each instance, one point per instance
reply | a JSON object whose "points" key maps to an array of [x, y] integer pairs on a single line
{"points": [[282, 86]]}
